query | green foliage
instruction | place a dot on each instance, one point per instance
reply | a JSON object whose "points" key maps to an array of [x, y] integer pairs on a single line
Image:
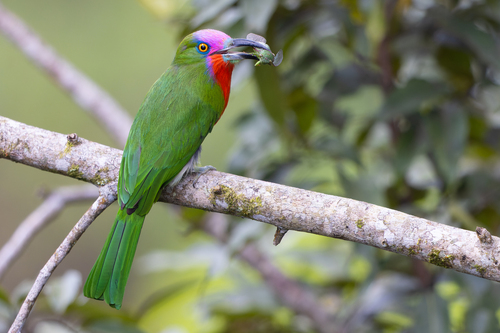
{"points": [[391, 102]]}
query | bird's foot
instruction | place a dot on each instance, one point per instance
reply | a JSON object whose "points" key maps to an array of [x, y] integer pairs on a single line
{"points": [[201, 171]]}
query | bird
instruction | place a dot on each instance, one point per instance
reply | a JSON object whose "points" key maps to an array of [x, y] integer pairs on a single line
{"points": [[164, 144]]}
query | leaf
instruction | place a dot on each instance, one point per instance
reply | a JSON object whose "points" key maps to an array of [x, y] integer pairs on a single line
{"points": [[393, 321], [305, 108], [257, 141], [269, 85], [457, 65], [317, 174], [448, 290], [242, 233], [410, 144], [421, 174], [209, 10], [359, 268], [185, 310], [196, 257], [354, 10], [448, 129], [257, 13], [112, 326], [382, 294], [316, 76], [413, 97], [376, 25], [163, 8], [360, 108], [4, 296], [52, 327], [62, 291], [480, 42], [338, 54]]}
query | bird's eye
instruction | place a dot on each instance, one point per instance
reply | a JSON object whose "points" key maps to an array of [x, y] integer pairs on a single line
{"points": [[203, 48]]}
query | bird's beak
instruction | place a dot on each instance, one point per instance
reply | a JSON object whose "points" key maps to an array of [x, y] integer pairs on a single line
{"points": [[241, 42]]}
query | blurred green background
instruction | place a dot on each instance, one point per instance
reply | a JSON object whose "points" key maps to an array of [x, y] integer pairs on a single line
{"points": [[392, 102]]}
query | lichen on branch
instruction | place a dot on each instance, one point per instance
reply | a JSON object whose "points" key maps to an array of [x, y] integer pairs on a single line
{"points": [[282, 206]]}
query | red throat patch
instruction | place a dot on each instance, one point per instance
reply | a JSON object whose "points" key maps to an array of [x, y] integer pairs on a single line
{"points": [[221, 71]]}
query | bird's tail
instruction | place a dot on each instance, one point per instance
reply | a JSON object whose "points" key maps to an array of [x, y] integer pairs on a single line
{"points": [[108, 277]]}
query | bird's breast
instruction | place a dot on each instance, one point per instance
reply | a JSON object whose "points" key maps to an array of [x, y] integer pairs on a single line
{"points": [[221, 72]]}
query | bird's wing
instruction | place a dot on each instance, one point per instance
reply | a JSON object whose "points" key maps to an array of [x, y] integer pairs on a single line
{"points": [[169, 129]]}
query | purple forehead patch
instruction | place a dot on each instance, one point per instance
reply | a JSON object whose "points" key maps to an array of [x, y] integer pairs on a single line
{"points": [[216, 39]]}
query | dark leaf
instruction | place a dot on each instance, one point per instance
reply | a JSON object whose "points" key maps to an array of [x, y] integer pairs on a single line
{"points": [[457, 65], [269, 85], [413, 97], [483, 44], [448, 129], [305, 108]]}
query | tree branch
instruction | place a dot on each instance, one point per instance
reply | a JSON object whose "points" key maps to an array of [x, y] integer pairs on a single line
{"points": [[40, 217], [107, 196], [67, 155], [88, 95], [283, 206]]}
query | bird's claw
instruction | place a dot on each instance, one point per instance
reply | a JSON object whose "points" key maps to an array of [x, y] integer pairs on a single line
{"points": [[201, 171]]}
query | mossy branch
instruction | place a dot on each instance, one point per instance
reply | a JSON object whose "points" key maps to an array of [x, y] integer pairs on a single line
{"points": [[286, 207]]}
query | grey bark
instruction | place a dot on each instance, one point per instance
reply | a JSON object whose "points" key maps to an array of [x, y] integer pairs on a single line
{"points": [[283, 206]]}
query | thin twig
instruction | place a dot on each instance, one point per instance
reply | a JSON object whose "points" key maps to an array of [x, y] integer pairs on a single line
{"points": [[39, 218], [84, 91], [106, 197]]}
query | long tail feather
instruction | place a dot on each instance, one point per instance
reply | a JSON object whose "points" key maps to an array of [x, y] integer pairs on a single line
{"points": [[108, 277]]}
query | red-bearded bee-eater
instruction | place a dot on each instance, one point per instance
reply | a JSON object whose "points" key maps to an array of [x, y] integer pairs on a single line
{"points": [[164, 143]]}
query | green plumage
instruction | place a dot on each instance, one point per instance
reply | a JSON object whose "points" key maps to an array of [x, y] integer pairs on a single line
{"points": [[164, 142], [108, 277], [177, 114]]}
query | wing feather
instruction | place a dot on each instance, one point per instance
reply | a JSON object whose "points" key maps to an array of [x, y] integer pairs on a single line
{"points": [[171, 124]]}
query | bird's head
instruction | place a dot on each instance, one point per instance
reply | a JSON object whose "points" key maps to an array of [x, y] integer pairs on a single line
{"points": [[212, 50], [212, 44]]}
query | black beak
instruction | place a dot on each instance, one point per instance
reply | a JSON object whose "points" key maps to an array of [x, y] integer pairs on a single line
{"points": [[242, 42]]}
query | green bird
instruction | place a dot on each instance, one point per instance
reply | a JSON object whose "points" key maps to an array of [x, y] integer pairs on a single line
{"points": [[164, 144]]}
